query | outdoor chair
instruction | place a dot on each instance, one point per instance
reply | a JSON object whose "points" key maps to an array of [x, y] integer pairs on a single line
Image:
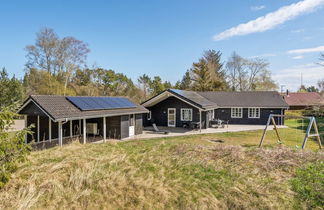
{"points": [[157, 130]]}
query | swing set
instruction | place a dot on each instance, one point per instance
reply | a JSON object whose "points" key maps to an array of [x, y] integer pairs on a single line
{"points": [[311, 124]]}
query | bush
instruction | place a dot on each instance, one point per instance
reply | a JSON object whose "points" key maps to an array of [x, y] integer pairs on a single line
{"points": [[316, 111], [309, 184], [12, 146]]}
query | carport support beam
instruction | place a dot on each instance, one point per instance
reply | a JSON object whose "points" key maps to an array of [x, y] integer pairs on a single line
{"points": [[84, 131], [25, 117], [80, 127], [49, 129], [200, 121], [38, 130], [104, 129], [60, 133], [71, 129]]}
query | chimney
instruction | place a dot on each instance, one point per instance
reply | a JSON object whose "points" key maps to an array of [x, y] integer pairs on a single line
{"points": [[287, 92]]}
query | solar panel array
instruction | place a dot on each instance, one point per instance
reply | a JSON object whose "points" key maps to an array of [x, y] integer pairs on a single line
{"points": [[100, 103]]}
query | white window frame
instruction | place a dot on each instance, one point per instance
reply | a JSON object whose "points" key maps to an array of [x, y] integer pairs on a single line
{"points": [[254, 114], [182, 117], [235, 112], [149, 115]]}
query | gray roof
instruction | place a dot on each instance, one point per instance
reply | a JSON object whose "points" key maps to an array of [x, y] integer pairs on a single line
{"points": [[59, 108], [195, 98], [210, 100], [271, 99]]}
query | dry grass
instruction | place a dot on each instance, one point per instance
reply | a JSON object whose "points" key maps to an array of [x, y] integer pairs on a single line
{"points": [[168, 173]]}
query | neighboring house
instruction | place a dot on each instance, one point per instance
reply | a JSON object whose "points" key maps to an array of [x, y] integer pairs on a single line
{"points": [[57, 118], [299, 101], [179, 108]]}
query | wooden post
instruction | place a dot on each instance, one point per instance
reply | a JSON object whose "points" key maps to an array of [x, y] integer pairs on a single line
{"points": [[80, 127], [200, 121], [60, 134], [104, 129], [26, 125], [71, 129], [84, 131], [307, 132], [38, 130], [275, 128], [318, 135], [50, 129], [265, 130]]}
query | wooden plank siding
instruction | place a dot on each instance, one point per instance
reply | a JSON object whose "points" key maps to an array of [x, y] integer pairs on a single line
{"points": [[113, 127], [225, 114], [160, 113], [138, 124], [124, 125]]}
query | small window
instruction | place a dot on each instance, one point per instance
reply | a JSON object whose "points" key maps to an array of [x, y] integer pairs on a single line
{"points": [[186, 114], [237, 112], [149, 115], [254, 112]]}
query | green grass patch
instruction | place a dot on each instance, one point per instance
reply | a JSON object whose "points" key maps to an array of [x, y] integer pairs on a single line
{"points": [[309, 184]]}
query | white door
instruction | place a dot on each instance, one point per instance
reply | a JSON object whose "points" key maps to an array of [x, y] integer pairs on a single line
{"points": [[171, 117], [131, 125]]}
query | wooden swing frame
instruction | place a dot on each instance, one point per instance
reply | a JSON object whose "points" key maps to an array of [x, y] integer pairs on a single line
{"points": [[312, 123]]}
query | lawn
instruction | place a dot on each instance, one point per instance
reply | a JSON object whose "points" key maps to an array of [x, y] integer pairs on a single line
{"points": [[186, 172]]}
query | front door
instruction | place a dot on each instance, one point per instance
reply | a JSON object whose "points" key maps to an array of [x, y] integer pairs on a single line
{"points": [[171, 117]]}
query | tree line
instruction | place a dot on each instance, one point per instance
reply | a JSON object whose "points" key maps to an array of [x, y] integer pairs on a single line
{"points": [[58, 66]]}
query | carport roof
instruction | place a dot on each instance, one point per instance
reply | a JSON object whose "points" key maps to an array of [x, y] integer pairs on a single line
{"points": [[58, 108]]}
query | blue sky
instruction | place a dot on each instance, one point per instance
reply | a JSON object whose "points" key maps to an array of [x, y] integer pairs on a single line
{"points": [[164, 37]]}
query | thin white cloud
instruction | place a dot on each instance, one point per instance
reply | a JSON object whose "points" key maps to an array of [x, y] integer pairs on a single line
{"points": [[307, 50], [291, 77], [297, 31], [298, 57], [263, 55], [271, 20], [257, 8]]}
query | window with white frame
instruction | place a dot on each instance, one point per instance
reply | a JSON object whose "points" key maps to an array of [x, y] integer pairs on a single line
{"points": [[254, 112], [149, 115], [236, 112], [186, 114]]}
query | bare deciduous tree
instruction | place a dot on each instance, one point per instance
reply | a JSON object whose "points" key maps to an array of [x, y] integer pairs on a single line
{"points": [[60, 57], [248, 74], [42, 54], [144, 81], [321, 59], [236, 70]]}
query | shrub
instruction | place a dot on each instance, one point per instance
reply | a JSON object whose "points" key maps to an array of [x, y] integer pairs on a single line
{"points": [[12, 146], [316, 111], [309, 184]]}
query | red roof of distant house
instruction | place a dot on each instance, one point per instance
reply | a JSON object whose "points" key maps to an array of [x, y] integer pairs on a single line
{"points": [[304, 99]]}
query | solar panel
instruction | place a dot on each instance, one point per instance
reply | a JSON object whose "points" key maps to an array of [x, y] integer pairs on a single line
{"points": [[100, 103]]}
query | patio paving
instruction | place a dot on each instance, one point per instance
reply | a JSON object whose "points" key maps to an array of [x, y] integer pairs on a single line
{"points": [[148, 131]]}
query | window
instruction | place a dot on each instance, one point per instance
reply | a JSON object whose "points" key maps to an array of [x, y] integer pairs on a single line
{"points": [[236, 112], [186, 114], [254, 112], [149, 115]]}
